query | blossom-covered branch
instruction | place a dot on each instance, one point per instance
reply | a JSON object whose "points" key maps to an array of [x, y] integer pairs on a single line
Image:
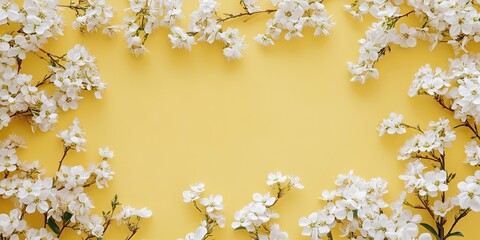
{"points": [[70, 74], [453, 22], [255, 217], [61, 200], [358, 207], [91, 15], [209, 207], [427, 177], [290, 16]]}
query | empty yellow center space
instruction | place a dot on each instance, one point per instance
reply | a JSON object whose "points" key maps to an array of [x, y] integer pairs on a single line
{"points": [[175, 118]]}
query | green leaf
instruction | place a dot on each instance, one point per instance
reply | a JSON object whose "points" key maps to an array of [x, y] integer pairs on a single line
{"points": [[431, 230], [51, 223], [454, 234], [66, 217]]}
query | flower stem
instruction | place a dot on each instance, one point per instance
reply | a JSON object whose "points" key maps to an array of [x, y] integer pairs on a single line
{"points": [[63, 158]]}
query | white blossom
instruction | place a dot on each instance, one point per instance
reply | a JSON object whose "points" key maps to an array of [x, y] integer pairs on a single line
{"points": [[210, 207], [473, 153], [317, 224], [257, 215], [442, 208], [469, 196], [128, 212], [73, 137], [95, 14], [106, 153], [392, 125], [180, 39]]}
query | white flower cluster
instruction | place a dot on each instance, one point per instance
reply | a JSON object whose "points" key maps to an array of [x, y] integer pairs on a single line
{"points": [[71, 74], [430, 184], [392, 125], [358, 205], [78, 73], [74, 137], [212, 206], [148, 16], [292, 16], [206, 24], [62, 200], [20, 94], [459, 85], [455, 22], [424, 183], [436, 139], [209, 28], [129, 216], [255, 217], [91, 14]]}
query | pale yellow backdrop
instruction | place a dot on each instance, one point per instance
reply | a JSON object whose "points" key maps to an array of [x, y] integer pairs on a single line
{"points": [[175, 117]]}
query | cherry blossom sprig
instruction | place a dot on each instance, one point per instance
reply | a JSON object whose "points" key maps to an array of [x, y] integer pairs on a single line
{"points": [[61, 200], [210, 208], [358, 207], [70, 74], [148, 15], [207, 22], [456, 91], [427, 178], [453, 22], [256, 217], [91, 15]]}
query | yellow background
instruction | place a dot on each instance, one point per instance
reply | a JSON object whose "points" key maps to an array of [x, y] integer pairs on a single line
{"points": [[175, 118]]}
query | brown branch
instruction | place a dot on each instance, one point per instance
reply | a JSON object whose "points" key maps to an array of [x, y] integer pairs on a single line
{"points": [[233, 16], [457, 219]]}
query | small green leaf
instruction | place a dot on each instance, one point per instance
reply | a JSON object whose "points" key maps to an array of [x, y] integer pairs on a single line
{"points": [[431, 230], [51, 223], [355, 213], [454, 234], [66, 217]]}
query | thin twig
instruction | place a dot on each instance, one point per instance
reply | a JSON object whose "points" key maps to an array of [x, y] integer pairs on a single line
{"points": [[233, 16], [63, 158]]}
